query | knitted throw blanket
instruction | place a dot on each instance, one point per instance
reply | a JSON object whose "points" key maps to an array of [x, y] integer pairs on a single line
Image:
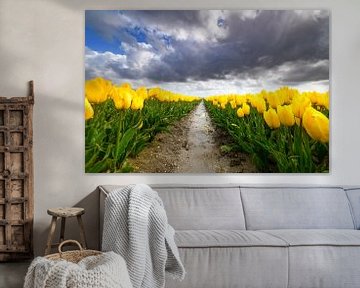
{"points": [[102, 271], [136, 227]]}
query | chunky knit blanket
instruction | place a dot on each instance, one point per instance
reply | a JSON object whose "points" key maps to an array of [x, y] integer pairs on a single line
{"points": [[136, 227], [102, 271]]}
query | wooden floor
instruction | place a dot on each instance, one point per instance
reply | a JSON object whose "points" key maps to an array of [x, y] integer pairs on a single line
{"points": [[12, 274]]}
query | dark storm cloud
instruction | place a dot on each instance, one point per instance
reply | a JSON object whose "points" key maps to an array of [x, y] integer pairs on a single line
{"points": [[309, 71], [290, 73], [164, 72], [241, 45], [281, 35], [124, 72], [278, 37]]}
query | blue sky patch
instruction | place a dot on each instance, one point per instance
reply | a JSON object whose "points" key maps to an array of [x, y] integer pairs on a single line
{"points": [[138, 33], [96, 42]]}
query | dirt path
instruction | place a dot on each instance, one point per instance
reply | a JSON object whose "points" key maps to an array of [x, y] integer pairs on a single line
{"points": [[201, 146], [193, 145]]}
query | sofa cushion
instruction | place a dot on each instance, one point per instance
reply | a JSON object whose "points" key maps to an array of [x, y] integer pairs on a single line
{"points": [[322, 258], [324, 266], [220, 267], [226, 238], [315, 237], [204, 208], [296, 208], [191, 207]]}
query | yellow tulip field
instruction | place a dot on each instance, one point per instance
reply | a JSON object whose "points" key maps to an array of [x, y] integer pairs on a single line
{"points": [[120, 121], [283, 131]]}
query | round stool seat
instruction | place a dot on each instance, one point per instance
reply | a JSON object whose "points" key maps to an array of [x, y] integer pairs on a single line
{"points": [[66, 211]]}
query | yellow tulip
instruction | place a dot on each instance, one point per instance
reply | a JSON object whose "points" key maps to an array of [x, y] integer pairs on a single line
{"points": [[299, 104], [286, 94], [223, 105], [274, 99], [142, 92], [233, 104], [137, 103], [240, 113], [320, 99], [89, 111], [316, 124], [286, 115], [258, 103], [122, 97], [271, 118], [127, 96], [119, 103], [246, 109], [117, 98], [223, 99], [97, 90], [240, 99]]}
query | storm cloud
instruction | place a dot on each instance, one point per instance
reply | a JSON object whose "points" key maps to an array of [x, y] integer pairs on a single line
{"points": [[273, 47]]}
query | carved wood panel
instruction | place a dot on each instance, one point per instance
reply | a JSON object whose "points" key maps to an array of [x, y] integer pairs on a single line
{"points": [[16, 177]]}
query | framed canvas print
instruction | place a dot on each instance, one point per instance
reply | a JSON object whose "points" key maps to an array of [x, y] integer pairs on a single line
{"points": [[207, 91]]}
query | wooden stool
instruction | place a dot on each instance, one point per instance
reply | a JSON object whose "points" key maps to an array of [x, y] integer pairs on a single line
{"points": [[64, 213]]}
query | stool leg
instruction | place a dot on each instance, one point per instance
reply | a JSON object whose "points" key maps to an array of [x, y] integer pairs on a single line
{"points": [[62, 231], [82, 232], [51, 235]]}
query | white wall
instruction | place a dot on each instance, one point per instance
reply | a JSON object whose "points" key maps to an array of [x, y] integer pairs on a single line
{"points": [[43, 40]]}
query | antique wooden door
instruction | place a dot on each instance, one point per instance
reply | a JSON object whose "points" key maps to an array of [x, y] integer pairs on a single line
{"points": [[16, 177]]}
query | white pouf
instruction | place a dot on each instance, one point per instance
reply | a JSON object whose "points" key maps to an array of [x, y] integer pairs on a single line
{"points": [[107, 270]]}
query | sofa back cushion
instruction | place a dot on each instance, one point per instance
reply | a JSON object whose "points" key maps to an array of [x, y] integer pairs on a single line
{"points": [[354, 198], [203, 207], [296, 208], [199, 207]]}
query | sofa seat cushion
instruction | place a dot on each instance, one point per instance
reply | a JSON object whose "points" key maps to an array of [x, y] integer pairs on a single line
{"points": [[322, 258], [225, 267], [317, 237], [226, 238]]}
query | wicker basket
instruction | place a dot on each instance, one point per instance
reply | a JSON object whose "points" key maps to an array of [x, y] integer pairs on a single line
{"points": [[72, 256]]}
